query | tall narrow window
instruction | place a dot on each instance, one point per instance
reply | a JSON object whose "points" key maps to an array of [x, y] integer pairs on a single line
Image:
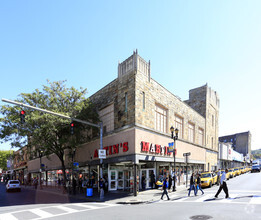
{"points": [[126, 101], [143, 100], [200, 136], [160, 119], [213, 120], [107, 117], [179, 125], [191, 132], [212, 142]]}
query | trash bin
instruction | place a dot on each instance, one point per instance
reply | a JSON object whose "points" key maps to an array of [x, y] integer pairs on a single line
{"points": [[89, 191]]}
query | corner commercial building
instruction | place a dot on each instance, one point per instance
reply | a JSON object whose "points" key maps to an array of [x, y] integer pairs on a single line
{"points": [[137, 113]]}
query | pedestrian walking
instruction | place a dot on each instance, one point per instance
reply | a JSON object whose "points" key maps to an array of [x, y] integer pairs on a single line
{"points": [[35, 182], [192, 185], [218, 177], [143, 182], [152, 180], [223, 185], [164, 188], [59, 182], [199, 184], [101, 185], [74, 183], [170, 183]]}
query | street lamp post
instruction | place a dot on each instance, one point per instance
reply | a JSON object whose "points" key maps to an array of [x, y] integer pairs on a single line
{"points": [[174, 137], [40, 155]]}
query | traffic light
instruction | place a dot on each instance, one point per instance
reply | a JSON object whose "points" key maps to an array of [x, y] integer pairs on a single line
{"points": [[72, 127], [22, 116]]}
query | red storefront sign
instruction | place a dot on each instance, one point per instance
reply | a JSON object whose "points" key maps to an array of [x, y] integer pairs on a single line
{"points": [[113, 149], [147, 147]]}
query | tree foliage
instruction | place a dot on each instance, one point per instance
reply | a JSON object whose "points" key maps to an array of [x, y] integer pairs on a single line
{"points": [[45, 131], [4, 156]]}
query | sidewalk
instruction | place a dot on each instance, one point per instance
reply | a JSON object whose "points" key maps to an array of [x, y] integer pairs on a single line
{"points": [[114, 197]]}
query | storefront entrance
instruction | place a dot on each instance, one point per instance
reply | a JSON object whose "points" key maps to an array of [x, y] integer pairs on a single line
{"points": [[119, 179], [146, 174]]}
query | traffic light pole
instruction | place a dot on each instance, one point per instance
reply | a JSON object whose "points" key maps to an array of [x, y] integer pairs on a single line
{"points": [[100, 125], [50, 112]]}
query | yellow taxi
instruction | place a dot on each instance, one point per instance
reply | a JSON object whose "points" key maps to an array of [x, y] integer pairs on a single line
{"points": [[208, 179], [244, 169], [231, 173], [248, 169], [237, 171]]}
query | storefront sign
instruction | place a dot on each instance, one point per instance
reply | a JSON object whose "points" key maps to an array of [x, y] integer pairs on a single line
{"points": [[113, 149], [155, 149]]}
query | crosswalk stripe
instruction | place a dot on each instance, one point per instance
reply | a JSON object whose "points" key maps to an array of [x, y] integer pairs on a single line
{"points": [[203, 198], [41, 213], [232, 197], [8, 216], [255, 200], [67, 209], [44, 214], [181, 199], [224, 200], [88, 206]]}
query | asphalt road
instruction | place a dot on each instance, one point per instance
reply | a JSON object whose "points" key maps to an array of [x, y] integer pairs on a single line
{"points": [[244, 203], [28, 196]]}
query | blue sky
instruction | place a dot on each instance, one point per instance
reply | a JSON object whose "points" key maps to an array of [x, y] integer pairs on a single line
{"points": [[189, 43]]}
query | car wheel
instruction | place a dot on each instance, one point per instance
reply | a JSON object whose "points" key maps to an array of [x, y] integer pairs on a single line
{"points": [[210, 184], [19, 190]]}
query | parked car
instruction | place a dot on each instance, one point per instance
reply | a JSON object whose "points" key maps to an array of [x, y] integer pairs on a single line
{"points": [[13, 185], [237, 171], [232, 173], [207, 179], [242, 169]]}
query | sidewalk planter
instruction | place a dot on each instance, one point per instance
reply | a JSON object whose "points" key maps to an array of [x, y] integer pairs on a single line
{"points": [[89, 192]]}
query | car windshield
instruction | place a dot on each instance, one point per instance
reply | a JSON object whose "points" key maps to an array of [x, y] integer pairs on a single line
{"points": [[230, 170], [205, 175], [236, 169], [14, 182]]}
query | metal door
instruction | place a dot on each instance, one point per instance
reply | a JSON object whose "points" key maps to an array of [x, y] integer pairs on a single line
{"points": [[120, 180], [113, 180]]}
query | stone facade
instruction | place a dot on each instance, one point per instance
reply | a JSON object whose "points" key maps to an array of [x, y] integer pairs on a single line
{"points": [[143, 93]]}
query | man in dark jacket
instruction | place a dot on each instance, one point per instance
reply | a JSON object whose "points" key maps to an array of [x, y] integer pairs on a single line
{"points": [[192, 185], [165, 187]]}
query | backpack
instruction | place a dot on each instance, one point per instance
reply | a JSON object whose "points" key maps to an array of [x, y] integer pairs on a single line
{"points": [[165, 184]]}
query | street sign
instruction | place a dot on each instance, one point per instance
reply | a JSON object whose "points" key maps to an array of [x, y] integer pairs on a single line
{"points": [[186, 154], [102, 154], [75, 166], [42, 167]]}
